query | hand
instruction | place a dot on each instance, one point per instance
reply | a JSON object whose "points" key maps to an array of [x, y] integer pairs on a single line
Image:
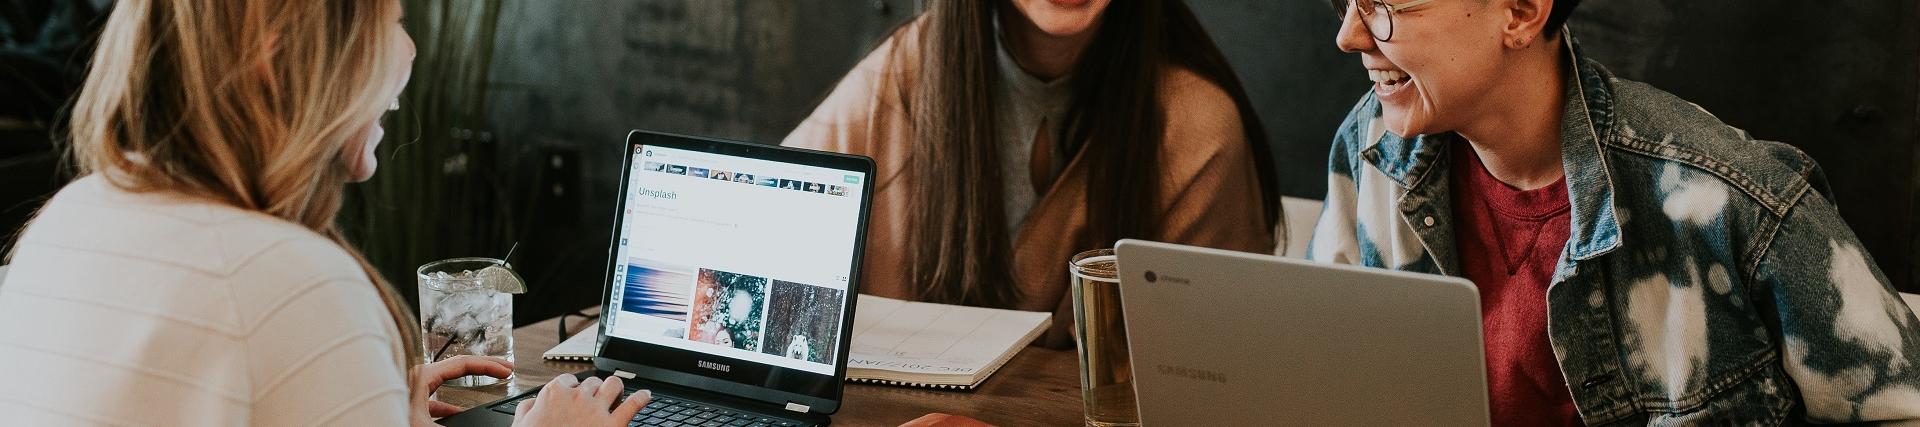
{"points": [[567, 401], [427, 379]]}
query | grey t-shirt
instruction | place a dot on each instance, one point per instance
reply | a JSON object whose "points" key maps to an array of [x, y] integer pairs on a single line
{"points": [[1022, 105]]}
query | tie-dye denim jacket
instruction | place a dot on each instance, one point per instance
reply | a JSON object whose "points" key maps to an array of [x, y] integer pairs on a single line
{"points": [[1707, 277]]}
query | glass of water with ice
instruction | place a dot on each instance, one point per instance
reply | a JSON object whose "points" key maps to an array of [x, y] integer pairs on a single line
{"points": [[466, 307]]}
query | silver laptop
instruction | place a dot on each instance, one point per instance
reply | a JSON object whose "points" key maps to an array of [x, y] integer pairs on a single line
{"points": [[1231, 338]]}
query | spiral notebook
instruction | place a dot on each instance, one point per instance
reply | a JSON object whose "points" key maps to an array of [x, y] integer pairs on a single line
{"points": [[936, 345], [577, 348]]}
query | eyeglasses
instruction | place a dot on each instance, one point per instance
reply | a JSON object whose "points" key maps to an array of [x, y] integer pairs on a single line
{"points": [[1378, 15]]}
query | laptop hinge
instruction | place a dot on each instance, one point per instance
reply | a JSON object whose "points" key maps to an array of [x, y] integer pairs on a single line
{"points": [[795, 407], [623, 374]]}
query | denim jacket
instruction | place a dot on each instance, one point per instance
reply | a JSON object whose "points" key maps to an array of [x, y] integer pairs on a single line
{"points": [[1707, 276]]}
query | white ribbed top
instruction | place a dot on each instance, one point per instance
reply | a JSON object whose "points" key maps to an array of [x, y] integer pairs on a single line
{"points": [[153, 309]]}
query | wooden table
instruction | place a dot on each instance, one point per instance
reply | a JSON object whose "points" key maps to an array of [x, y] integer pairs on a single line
{"points": [[1039, 387]]}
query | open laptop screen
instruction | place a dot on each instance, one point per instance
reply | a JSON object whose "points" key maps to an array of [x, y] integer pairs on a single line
{"points": [[737, 264]]}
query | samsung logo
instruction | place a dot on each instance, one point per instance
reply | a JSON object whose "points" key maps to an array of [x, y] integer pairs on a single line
{"points": [[1192, 373], [714, 366]]}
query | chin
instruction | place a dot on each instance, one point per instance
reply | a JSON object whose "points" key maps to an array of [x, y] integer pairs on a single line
{"points": [[1066, 26], [1403, 130], [1397, 123], [362, 170], [361, 176], [1404, 123], [1065, 18], [365, 161]]}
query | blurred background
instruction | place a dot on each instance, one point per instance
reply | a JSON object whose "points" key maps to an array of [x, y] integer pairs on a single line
{"points": [[511, 130]]}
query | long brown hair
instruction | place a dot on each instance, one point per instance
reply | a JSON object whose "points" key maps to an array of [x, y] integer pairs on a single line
{"points": [[248, 104], [961, 253]]}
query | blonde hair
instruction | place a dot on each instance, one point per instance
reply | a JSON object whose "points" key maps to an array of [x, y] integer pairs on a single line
{"points": [[246, 103]]}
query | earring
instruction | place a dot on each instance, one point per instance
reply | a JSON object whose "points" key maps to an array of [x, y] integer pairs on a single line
{"points": [[395, 106], [1522, 43]]}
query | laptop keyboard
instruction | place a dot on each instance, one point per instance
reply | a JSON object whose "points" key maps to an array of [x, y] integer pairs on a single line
{"points": [[670, 411]]}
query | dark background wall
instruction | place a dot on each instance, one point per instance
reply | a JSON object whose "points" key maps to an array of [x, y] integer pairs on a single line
{"points": [[1837, 79], [574, 77]]}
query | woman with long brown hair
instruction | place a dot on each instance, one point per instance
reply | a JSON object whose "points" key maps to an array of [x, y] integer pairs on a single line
{"points": [[194, 275], [1011, 134]]}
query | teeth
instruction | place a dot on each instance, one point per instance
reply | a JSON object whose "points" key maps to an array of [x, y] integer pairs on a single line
{"points": [[1386, 76]]}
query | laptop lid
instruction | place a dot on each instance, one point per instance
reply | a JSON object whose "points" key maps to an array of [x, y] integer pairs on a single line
{"points": [[733, 268], [1297, 342]]}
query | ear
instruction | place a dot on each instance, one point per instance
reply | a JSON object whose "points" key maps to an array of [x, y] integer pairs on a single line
{"points": [[1527, 20]]}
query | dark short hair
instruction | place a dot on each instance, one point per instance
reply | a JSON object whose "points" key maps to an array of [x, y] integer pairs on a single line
{"points": [[1558, 16]]}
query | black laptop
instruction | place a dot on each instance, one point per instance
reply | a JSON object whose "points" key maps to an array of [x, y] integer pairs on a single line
{"points": [[730, 284]]}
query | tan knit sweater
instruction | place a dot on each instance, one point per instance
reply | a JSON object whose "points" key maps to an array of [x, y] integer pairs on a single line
{"points": [[1209, 190]]}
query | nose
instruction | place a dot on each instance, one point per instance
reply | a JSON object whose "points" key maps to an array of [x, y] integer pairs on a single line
{"points": [[1353, 36]]}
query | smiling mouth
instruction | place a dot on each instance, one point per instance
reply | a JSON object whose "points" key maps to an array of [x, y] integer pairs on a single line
{"points": [[1388, 81]]}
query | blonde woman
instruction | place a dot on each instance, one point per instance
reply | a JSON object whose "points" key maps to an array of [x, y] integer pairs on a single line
{"points": [[194, 274]]}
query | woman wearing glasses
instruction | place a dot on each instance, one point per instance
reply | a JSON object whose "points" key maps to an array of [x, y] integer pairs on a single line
{"points": [[1639, 262], [1011, 134]]}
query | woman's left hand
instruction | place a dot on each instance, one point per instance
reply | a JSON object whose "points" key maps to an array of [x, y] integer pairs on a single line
{"points": [[427, 378]]}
